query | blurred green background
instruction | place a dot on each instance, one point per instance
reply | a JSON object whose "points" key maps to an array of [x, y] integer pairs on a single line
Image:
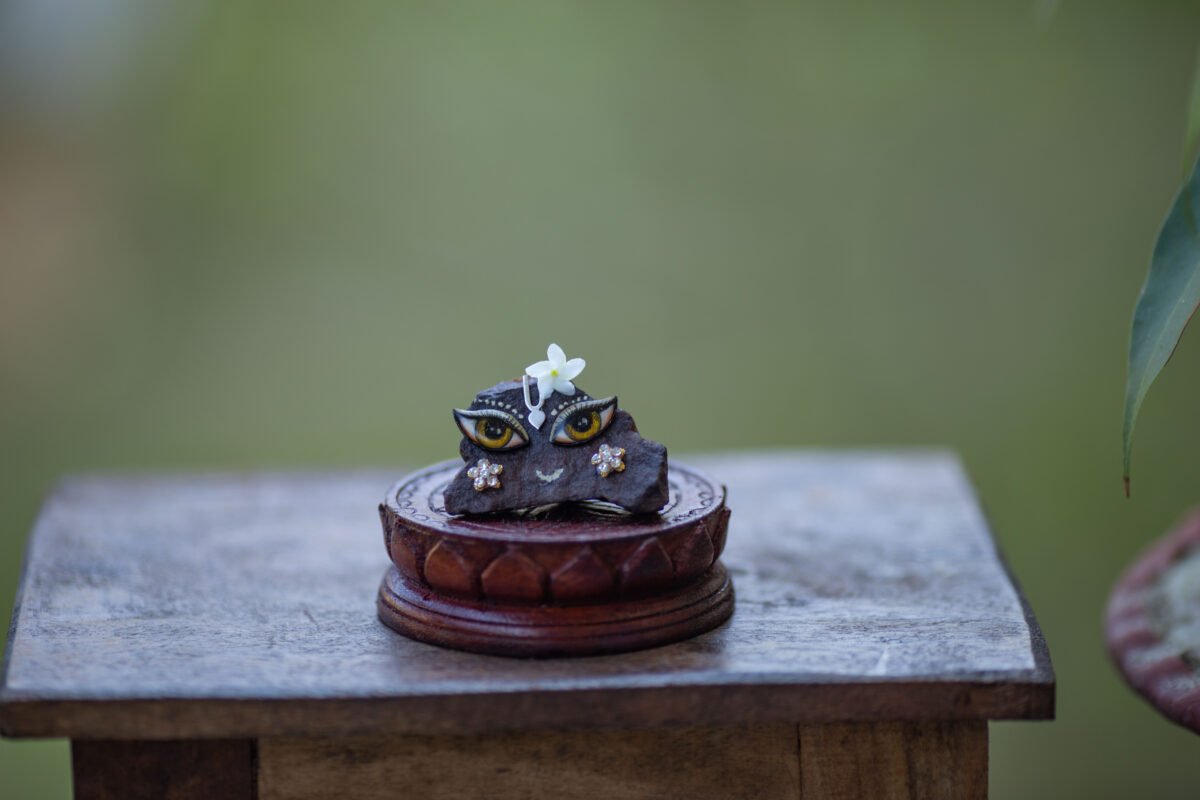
{"points": [[261, 235]]}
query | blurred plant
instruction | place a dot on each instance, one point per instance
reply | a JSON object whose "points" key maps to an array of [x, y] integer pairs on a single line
{"points": [[1171, 292]]}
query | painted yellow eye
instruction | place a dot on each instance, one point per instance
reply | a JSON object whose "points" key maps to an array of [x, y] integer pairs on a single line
{"points": [[491, 429], [582, 426], [492, 433], [583, 421]]}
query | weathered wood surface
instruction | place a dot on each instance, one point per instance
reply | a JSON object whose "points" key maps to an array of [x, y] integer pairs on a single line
{"points": [[186, 770], [848, 761], [242, 606], [749, 762], [779, 761]]}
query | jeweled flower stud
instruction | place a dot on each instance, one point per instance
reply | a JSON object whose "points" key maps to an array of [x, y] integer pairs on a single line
{"points": [[609, 460], [486, 475]]}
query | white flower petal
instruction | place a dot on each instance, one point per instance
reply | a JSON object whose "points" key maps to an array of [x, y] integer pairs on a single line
{"points": [[564, 386], [539, 370], [545, 387], [556, 356], [572, 368]]}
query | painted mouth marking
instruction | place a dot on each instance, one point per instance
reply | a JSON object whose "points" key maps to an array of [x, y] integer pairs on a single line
{"points": [[552, 477]]}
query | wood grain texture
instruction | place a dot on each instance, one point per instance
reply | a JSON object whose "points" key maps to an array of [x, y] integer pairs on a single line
{"points": [[727, 763], [900, 760], [243, 606], [182, 770], [841, 761]]}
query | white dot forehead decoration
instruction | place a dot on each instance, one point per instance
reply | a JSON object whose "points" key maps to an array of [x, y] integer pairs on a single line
{"points": [[583, 398], [487, 401]]}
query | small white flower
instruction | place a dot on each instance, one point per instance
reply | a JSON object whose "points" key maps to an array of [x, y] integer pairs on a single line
{"points": [[608, 460], [555, 373], [485, 474]]}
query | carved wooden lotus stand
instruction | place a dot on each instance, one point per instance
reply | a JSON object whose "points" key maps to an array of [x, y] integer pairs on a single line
{"points": [[571, 581]]}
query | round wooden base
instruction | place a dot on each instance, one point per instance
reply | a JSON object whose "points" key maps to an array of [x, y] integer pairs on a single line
{"points": [[545, 631], [570, 580]]}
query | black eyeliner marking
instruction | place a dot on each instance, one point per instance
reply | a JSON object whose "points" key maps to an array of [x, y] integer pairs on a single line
{"points": [[489, 413], [560, 421]]}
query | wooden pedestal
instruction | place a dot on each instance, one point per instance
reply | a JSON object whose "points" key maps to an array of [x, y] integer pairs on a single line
{"points": [[215, 636], [569, 581]]}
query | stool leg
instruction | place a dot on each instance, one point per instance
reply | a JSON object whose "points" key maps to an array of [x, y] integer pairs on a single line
{"points": [[180, 770], [928, 760]]}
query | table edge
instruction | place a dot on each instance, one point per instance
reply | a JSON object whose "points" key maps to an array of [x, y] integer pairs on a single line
{"points": [[1028, 697]]}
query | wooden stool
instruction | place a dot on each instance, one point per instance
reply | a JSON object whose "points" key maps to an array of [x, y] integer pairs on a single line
{"points": [[216, 637]]}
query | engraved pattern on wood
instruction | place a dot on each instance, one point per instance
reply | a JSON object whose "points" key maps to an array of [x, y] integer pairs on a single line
{"points": [[649, 566], [728, 763], [585, 575], [447, 571], [514, 576], [181, 770], [649, 554], [894, 761], [693, 554]]}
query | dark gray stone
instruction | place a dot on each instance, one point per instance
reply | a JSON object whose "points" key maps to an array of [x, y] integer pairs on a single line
{"points": [[641, 488]]}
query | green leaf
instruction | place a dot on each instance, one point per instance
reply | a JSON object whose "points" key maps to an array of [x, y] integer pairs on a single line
{"points": [[1168, 300]]}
